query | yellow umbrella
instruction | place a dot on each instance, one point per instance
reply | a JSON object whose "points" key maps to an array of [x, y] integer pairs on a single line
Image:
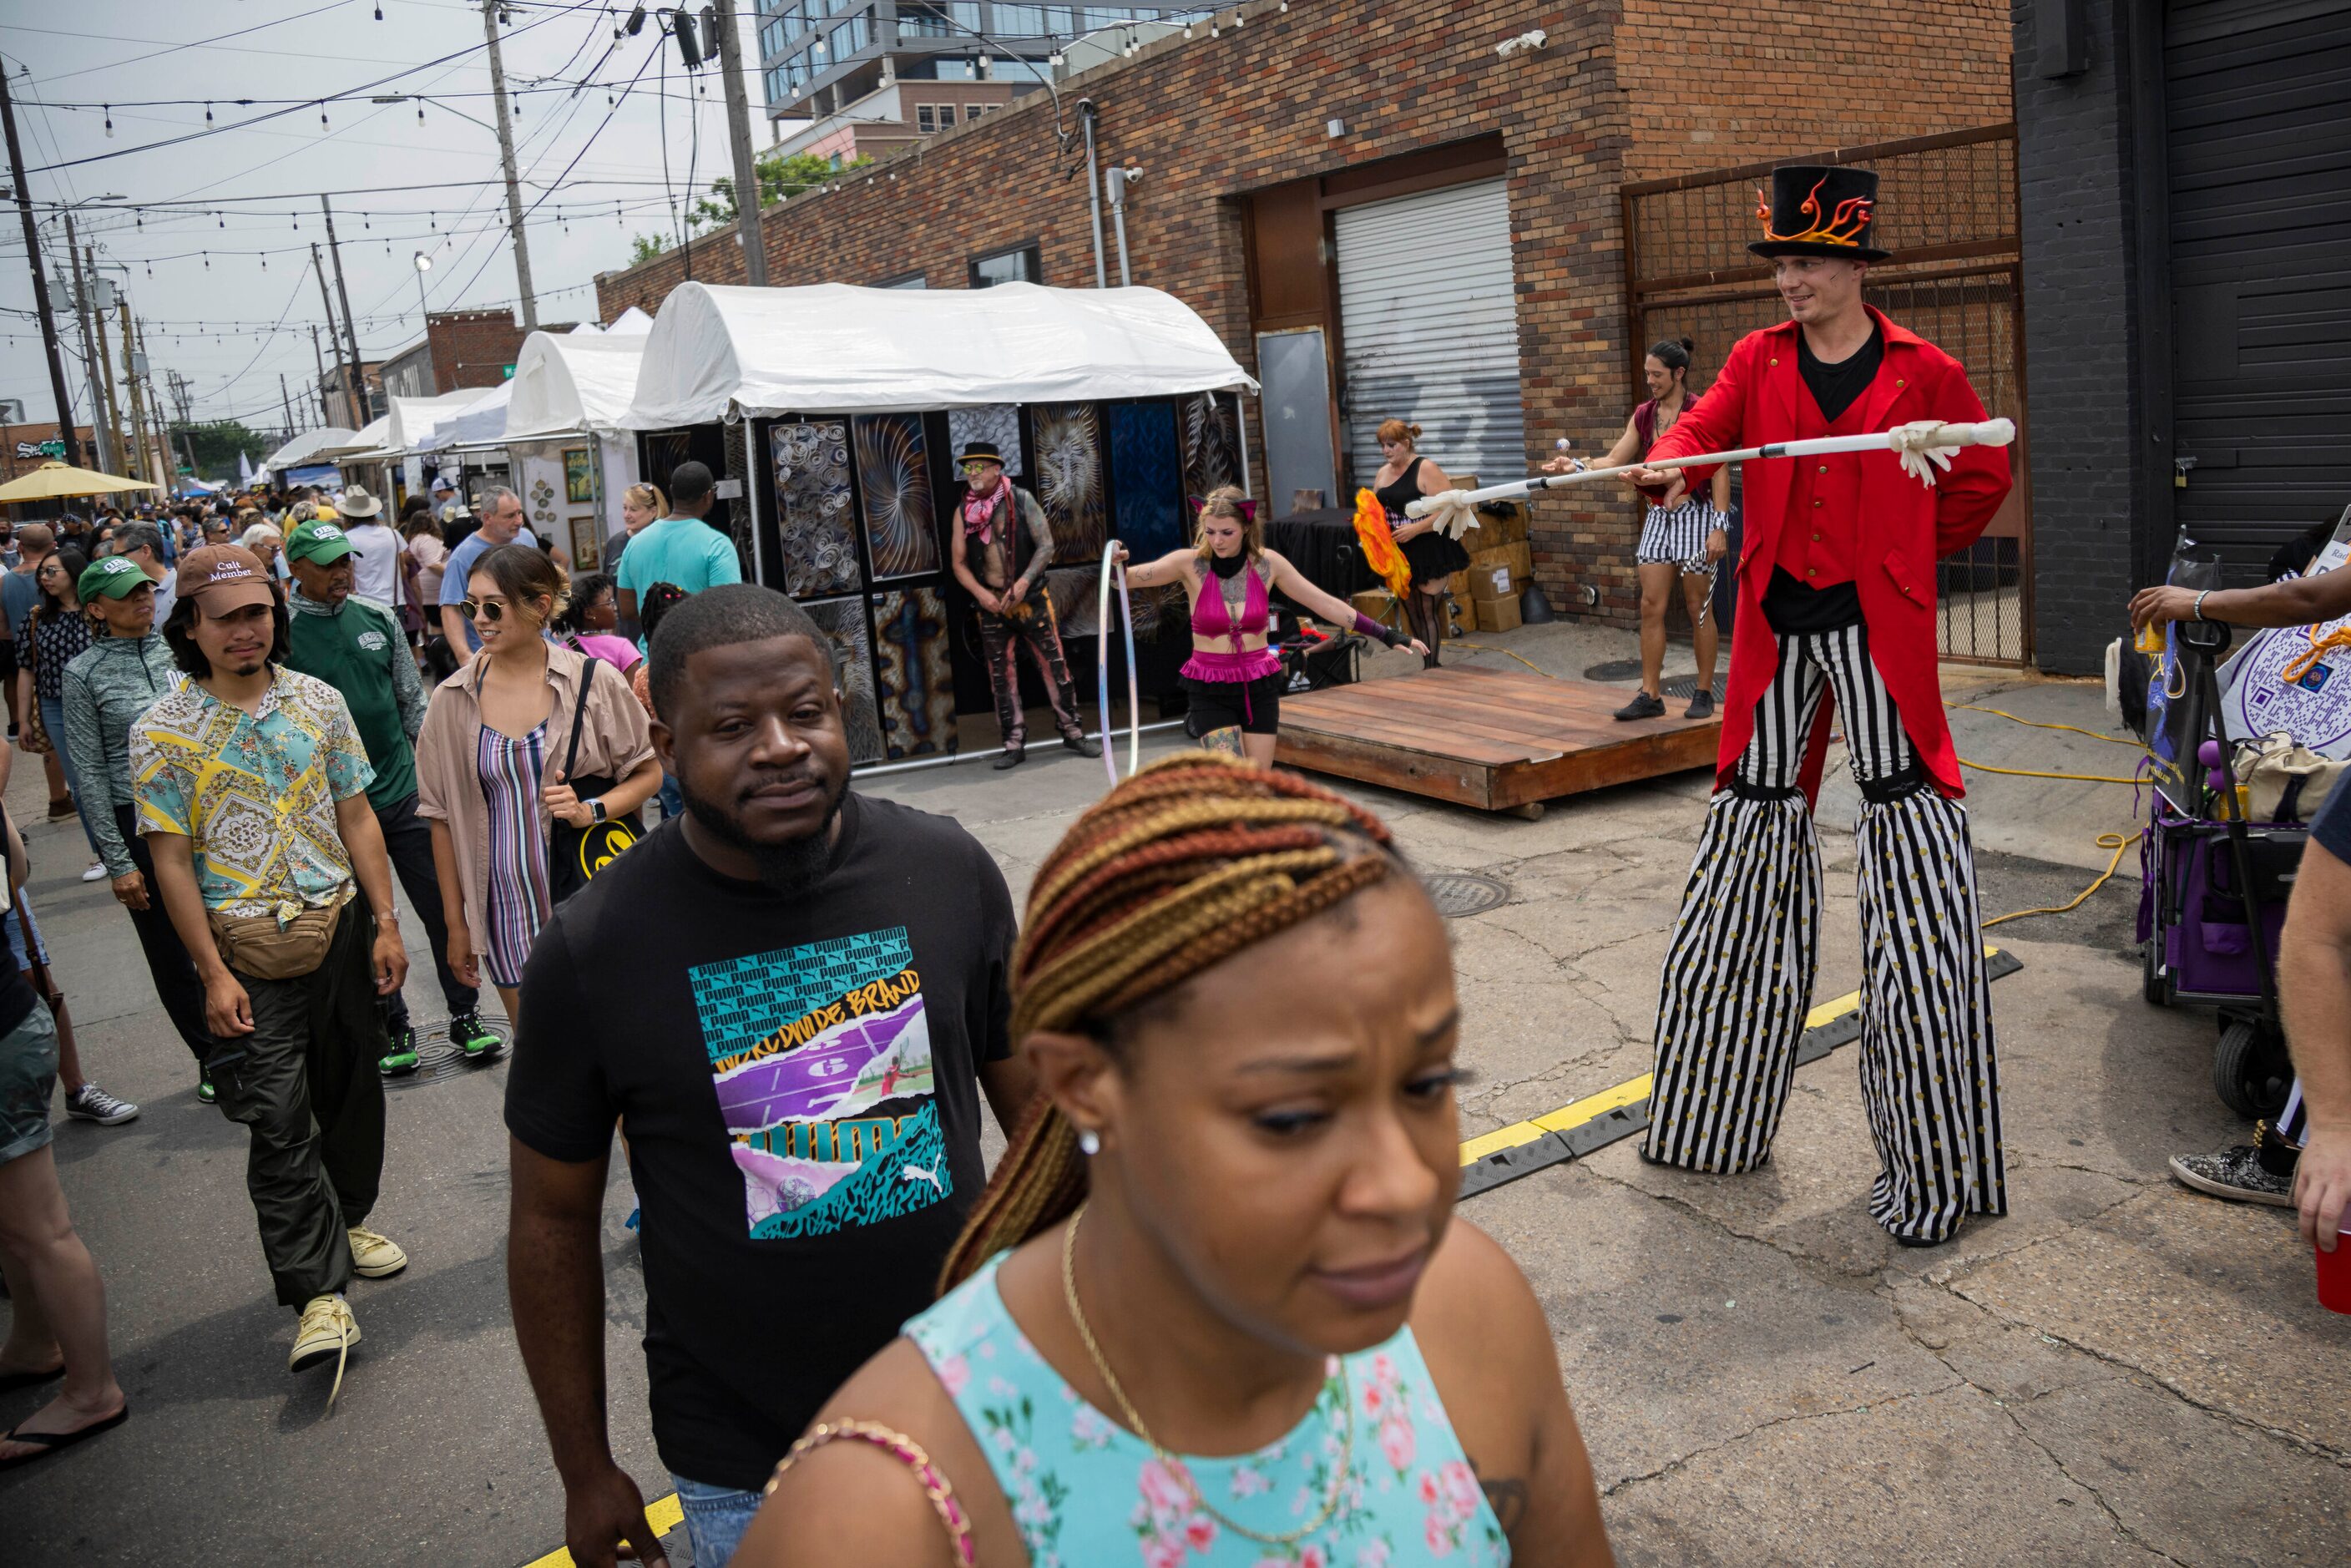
{"points": [[54, 479]]}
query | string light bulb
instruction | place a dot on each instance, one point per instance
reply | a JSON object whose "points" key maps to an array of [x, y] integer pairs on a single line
{"points": [[322, 117], [379, 12], [110, 118], [208, 114]]}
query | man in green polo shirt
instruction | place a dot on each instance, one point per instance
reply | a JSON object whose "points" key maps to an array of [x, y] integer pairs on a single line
{"points": [[357, 647]]}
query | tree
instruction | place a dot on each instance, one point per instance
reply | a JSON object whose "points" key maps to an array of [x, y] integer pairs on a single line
{"points": [[779, 176], [217, 444], [642, 248]]}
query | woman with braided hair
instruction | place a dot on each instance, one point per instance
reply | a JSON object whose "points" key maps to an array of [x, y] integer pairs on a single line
{"points": [[1233, 679], [1214, 1305]]}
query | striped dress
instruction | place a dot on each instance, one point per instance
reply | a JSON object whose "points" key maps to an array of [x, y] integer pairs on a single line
{"points": [[511, 772]]}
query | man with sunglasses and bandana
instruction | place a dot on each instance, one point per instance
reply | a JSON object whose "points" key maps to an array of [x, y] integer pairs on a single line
{"points": [[1002, 545]]}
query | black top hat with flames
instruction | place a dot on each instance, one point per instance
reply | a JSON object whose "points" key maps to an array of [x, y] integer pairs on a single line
{"points": [[1819, 210]]}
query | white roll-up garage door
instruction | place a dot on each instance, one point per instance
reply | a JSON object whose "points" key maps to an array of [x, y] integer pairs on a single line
{"points": [[1431, 318]]}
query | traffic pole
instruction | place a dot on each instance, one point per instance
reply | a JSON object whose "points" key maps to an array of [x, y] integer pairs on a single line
{"points": [[738, 132], [506, 163], [40, 282]]}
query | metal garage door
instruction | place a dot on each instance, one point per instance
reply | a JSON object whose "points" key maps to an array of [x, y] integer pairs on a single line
{"points": [[2258, 103], [1430, 323]]}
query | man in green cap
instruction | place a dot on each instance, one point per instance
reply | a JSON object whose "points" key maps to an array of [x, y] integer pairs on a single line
{"points": [[357, 647]]}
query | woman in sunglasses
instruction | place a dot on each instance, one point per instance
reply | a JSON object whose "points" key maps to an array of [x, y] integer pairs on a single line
{"points": [[490, 764], [1233, 677]]}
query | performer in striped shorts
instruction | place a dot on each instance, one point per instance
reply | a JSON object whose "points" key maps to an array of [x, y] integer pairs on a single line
{"points": [[1836, 587]]}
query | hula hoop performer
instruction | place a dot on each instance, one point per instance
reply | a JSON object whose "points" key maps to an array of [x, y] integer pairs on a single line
{"points": [[1233, 679], [1836, 585]]}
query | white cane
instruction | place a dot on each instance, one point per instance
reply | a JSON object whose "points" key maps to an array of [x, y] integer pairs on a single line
{"points": [[1924, 446]]}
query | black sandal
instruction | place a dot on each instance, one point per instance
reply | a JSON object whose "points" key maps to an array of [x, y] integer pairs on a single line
{"points": [[48, 1443]]}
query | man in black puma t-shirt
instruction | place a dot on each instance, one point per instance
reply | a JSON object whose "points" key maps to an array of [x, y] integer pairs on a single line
{"points": [[790, 998]]}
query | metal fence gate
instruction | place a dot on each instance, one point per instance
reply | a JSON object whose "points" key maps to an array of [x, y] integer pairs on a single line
{"points": [[1948, 210]]}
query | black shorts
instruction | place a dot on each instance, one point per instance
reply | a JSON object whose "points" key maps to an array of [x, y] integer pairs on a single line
{"points": [[7, 658], [1253, 707]]}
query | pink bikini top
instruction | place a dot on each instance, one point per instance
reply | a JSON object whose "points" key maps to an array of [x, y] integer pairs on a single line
{"points": [[1211, 618]]}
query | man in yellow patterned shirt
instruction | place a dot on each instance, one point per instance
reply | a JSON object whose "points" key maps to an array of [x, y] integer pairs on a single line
{"points": [[251, 787]]}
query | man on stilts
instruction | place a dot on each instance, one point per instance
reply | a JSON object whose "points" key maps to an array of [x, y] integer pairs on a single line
{"points": [[1836, 626]]}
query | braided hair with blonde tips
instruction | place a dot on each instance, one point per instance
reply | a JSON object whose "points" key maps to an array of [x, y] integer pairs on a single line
{"points": [[1186, 863]]}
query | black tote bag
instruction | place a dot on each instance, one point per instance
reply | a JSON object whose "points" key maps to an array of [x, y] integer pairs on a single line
{"points": [[574, 855]]}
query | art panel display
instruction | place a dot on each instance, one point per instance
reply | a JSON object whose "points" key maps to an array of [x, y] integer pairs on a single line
{"points": [[664, 450], [813, 507], [842, 621], [1069, 478], [902, 536], [998, 423], [918, 684], [1144, 469], [1212, 442]]}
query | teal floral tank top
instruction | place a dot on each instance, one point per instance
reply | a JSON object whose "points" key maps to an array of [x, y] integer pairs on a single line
{"points": [[1086, 1491]]}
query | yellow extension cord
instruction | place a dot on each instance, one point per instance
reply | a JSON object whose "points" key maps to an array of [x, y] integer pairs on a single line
{"points": [[2119, 842]]}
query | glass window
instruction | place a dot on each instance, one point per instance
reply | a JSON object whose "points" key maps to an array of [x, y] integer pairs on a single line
{"points": [[1020, 264], [926, 118], [911, 280], [946, 116], [1002, 69], [1031, 21]]}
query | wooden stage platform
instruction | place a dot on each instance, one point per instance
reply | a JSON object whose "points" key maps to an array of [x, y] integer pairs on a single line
{"points": [[1499, 741]]}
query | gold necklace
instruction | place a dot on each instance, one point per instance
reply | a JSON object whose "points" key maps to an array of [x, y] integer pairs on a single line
{"points": [[1174, 1465]]}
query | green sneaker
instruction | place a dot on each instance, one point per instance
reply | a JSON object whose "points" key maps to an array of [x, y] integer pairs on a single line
{"points": [[401, 1060], [204, 1089], [470, 1035]]}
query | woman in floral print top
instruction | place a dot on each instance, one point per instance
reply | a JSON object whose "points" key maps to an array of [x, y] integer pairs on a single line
{"points": [[1214, 1311]]}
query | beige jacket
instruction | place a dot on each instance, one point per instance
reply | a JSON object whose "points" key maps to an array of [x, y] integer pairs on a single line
{"points": [[613, 741]]}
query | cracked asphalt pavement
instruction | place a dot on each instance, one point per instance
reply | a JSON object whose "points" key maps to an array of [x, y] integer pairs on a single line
{"points": [[2119, 1371]]}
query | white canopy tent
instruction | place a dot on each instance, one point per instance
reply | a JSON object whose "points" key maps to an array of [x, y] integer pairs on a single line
{"points": [[833, 347], [630, 323], [569, 389], [412, 419], [306, 448], [482, 421], [365, 443]]}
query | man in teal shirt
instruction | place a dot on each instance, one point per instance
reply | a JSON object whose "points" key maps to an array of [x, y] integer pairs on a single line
{"points": [[680, 548], [357, 647]]}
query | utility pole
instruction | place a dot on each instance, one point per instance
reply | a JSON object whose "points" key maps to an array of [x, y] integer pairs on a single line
{"points": [[40, 282], [155, 404], [738, 132], [506, 163], [325, 406], [138, 405], [89, 355], [350, 380], [285, 401], [105, 360], [351, 322]]}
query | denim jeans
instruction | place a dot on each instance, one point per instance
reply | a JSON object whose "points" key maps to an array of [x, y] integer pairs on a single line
{"points": [[53, 719], [715, 1518]]}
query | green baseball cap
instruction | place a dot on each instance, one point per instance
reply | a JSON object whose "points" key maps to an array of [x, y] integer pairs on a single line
{"points": [[110, 577], [318, 540]]}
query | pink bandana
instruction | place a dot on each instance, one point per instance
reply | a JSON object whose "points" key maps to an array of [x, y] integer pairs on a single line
{"points": [[980, 510]]}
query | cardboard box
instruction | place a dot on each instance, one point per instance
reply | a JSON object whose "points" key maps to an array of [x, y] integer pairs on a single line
{"points": [[1492, 582], [1506, 525], [1519, 557], [1459, 586], [1380, 605], [1499, 615]]}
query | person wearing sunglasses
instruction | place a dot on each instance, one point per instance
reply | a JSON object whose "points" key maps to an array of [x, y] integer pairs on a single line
{"points": [[490, 764], [1002, 545]]}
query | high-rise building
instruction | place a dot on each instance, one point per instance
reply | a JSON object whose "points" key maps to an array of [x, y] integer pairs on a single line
{"points": [[846, 78]]}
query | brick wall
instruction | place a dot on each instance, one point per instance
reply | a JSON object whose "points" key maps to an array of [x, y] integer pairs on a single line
{"points": [[472, 348], [2081, 307], [1212, 119], [1714, 83]]}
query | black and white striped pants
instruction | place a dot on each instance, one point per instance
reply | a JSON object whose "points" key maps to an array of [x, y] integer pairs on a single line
{"points": [[1740, 970]]}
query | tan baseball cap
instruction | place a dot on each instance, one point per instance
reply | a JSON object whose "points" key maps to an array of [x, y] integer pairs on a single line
{"points": [[221, 578]]}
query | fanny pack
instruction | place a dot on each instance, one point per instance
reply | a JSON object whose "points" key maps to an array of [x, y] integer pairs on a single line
{"points": [[258, 945]]}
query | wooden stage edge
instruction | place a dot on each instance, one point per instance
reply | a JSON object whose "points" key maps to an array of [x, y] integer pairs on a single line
{"points": [[1495, 739]]}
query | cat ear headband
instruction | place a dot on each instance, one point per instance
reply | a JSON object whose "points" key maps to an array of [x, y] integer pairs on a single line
{"points": [[1249, 508]]}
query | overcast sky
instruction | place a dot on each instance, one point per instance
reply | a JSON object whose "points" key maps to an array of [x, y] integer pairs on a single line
{"points": [[232, 328]]}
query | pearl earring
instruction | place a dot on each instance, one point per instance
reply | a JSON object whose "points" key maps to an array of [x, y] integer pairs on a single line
{"points": [[1089, 1142]]}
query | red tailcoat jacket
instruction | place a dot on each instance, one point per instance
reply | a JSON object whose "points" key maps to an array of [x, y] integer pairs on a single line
{"points": [[1903, 528]]}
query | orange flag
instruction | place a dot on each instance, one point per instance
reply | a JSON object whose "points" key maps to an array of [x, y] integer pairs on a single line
{"points": [[1380, 551]]}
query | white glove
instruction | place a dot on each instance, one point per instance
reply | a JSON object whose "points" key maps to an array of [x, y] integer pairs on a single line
{"points": [[1921, 452]]}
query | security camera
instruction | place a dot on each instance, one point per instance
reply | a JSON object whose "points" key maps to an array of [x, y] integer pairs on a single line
{"points": [[1533, 38]]}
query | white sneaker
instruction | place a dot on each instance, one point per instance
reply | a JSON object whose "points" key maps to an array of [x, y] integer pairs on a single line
{"points": [[97, 872]]}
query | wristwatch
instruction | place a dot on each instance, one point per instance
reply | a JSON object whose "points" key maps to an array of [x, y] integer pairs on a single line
{"points": [[596, 811]]}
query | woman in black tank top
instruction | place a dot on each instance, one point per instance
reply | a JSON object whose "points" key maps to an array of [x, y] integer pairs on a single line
{"points": [[1434, 556]]}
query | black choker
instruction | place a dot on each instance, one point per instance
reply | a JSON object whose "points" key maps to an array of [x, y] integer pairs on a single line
{"points": [[1228, 566]]}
